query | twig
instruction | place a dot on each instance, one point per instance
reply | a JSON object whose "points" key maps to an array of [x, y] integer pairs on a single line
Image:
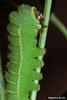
{"points": [[59, 24], [42, 42], [2, 91]]}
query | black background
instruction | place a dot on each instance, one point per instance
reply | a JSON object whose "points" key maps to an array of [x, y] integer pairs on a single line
{"points": [[54, 81]]}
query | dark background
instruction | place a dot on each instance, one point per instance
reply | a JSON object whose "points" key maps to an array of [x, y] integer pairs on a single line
{"points": [[54, 81]]}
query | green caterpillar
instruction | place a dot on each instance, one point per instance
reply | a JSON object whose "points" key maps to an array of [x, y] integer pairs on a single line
{"points": [[23, 59]]}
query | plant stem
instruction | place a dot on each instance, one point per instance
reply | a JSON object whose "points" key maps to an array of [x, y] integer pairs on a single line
{"points": [[2, 94], [42, 41], [59, 24]]}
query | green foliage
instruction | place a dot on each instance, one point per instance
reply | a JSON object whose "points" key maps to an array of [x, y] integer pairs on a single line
{"points": [[23, 59]]}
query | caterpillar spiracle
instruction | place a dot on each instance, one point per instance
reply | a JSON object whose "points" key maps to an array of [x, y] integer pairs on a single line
{"points": [[23, 58]]}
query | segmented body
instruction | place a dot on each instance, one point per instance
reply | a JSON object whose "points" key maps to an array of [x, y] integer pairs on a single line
{"points": [[23, 59]]}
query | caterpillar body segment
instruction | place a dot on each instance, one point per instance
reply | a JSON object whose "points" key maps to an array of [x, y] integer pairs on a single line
{"points": [[24, 52]]}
